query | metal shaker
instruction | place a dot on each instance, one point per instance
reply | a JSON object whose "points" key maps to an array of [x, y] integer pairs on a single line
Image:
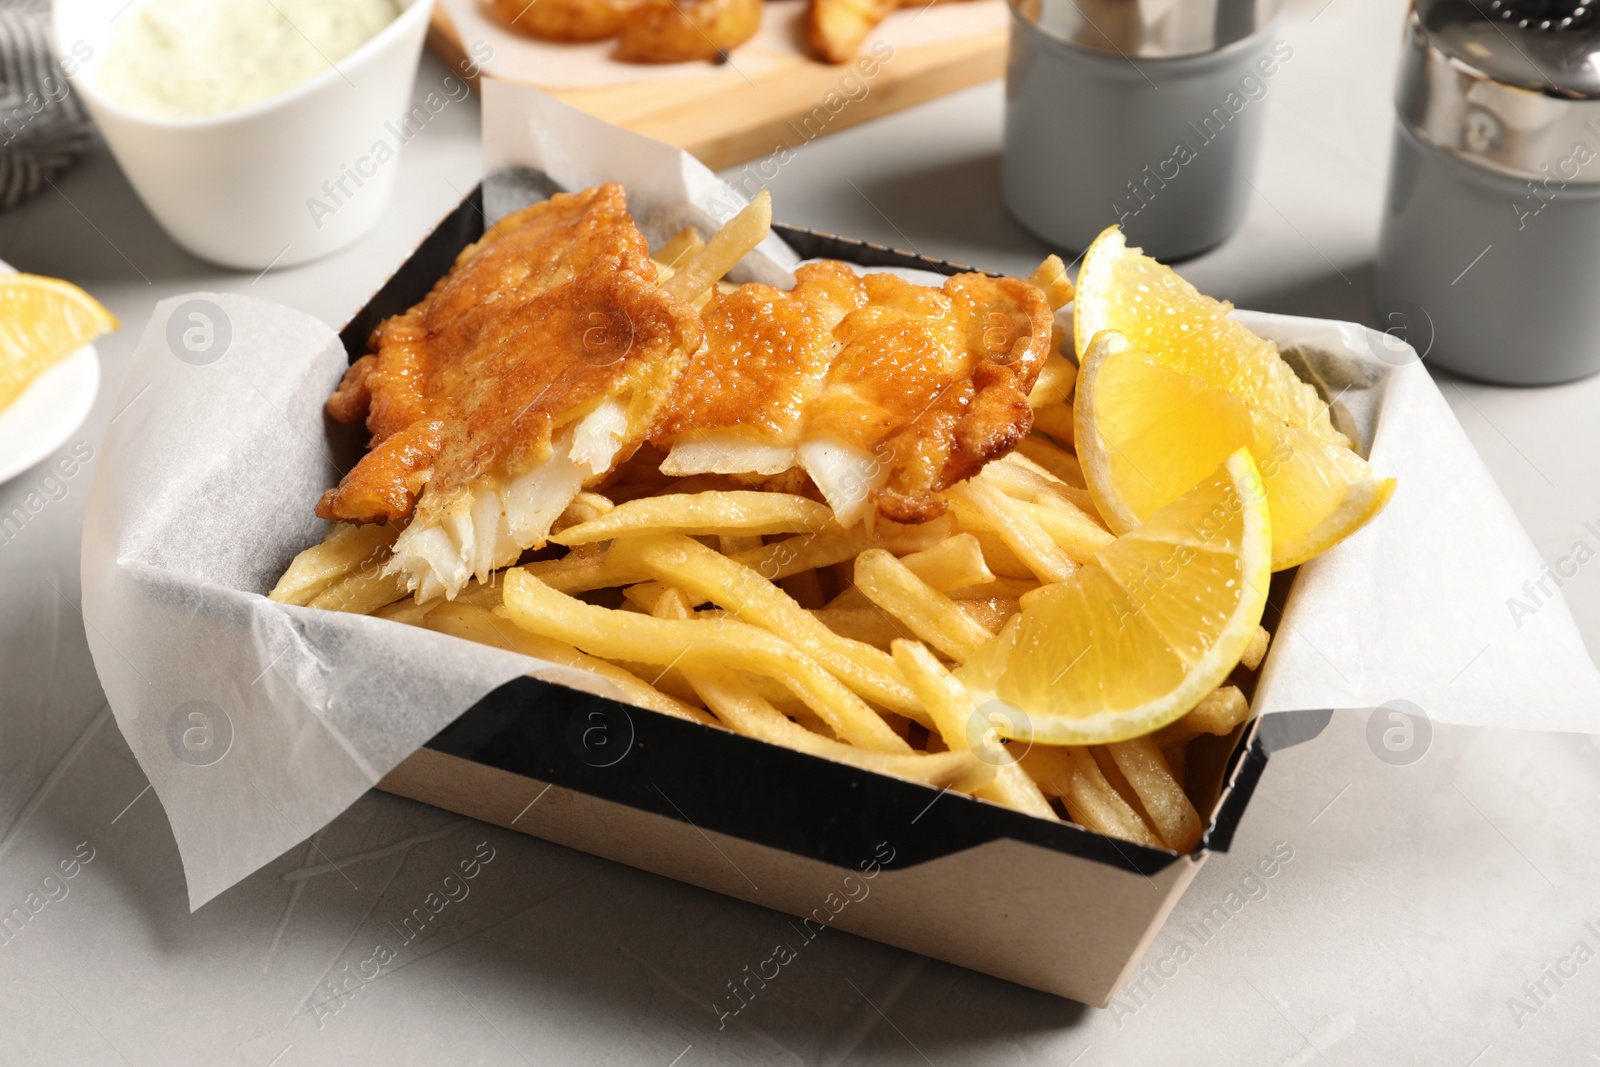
{"points": [[1147, 113], [1489, 259]]}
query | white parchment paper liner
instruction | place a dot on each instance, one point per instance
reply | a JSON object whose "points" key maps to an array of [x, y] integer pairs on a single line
{"points": [[209, 474]]}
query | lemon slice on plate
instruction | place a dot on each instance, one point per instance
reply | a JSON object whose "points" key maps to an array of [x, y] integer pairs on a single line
{"points": [[1120, 288], [49, 372], [42, 321], [1146, 433], [1134, 640]]}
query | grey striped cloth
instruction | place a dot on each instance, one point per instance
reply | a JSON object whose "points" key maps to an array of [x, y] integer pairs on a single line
{"points": [[43, 127]]}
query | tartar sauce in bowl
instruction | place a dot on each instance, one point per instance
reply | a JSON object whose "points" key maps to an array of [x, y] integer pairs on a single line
{"points": [[189, 59]]}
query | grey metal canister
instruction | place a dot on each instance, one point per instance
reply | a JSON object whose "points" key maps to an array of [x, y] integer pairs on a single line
{"points": [[1489, 259], [1144, 113]]}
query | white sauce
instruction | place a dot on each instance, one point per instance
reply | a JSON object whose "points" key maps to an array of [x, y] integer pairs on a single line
{"points": [[187, 59]]}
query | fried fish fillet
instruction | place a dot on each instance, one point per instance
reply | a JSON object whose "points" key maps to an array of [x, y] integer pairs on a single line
{"points": [[529, 370], [565, 20], [835, 29], [647, 31], [677, 31], [884, 392]]}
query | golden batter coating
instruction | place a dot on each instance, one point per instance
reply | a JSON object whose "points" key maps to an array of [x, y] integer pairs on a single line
{"points": [[565, 20], [765, 354], [553, 312], [919, 387], [677, 31]]}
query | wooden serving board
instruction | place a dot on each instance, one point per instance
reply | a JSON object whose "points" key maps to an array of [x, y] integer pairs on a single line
{"points": [[726, 116]]}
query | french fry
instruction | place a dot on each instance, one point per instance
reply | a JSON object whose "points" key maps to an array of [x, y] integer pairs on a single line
{"points": [[622, 635], [1162, 798], [1001, 588], [361, 593], [1021, 477], [672, 604], [1117, 781], [406, 611], [954, 563], [1051, 276], [876, 627], [870, 625], [954, 716], [997, 555], [1055, 422], [478, 624], [1053, 458], [1020, 530], [1177, 757], [1221, 710], [1072, 775], [582, 574], [345, 551], [727, 247], [990, 613], [702, 572], [733, 544], [792, 555], [805, 552], [805, 589], [1055, 381], [681, 246], [1092, 801], [585, 507], [928, 613], [1072, 529], [951, 564], [904, 538], [1256, 650], [743, 511], [743, 710]]}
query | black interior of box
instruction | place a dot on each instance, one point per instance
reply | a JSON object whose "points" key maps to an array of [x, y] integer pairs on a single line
{"points": [[722, 781]]}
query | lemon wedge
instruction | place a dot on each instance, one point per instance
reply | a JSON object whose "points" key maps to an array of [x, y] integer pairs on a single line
{"points": [[1146, 433], [1134, 640], [42, 321], [1120, 288]]}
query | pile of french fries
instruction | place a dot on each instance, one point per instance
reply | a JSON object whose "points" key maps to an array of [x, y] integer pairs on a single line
{"points": [[754, 611]]}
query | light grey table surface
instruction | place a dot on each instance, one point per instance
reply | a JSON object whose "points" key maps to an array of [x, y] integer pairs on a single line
{"points": [[1420, 900]]}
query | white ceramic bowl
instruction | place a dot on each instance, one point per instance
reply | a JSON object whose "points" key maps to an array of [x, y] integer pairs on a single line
{"points": [[242, 189]]}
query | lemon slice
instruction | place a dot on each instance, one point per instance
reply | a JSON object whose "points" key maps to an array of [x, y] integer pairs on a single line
{"points": [[1120, 288], [1146, 433], [1134, 640], [42, 321]]}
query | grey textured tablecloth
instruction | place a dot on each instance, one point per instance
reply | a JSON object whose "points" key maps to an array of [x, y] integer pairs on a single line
{"points": [[43, 127]]}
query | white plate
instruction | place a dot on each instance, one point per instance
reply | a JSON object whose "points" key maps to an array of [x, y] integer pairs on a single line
{"points": [[48, 412]]}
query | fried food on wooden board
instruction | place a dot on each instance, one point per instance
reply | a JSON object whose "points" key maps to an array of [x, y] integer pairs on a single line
{"points": [[570, 21], [676, 31]]}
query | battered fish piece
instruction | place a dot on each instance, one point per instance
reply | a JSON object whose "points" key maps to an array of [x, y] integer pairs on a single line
{"points": [[677, 31], [883, 391], [538, 362], [835, 29], [565, 20]]}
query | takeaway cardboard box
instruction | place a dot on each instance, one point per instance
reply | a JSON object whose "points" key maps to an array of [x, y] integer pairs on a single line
{"points": [[943, 874]]}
